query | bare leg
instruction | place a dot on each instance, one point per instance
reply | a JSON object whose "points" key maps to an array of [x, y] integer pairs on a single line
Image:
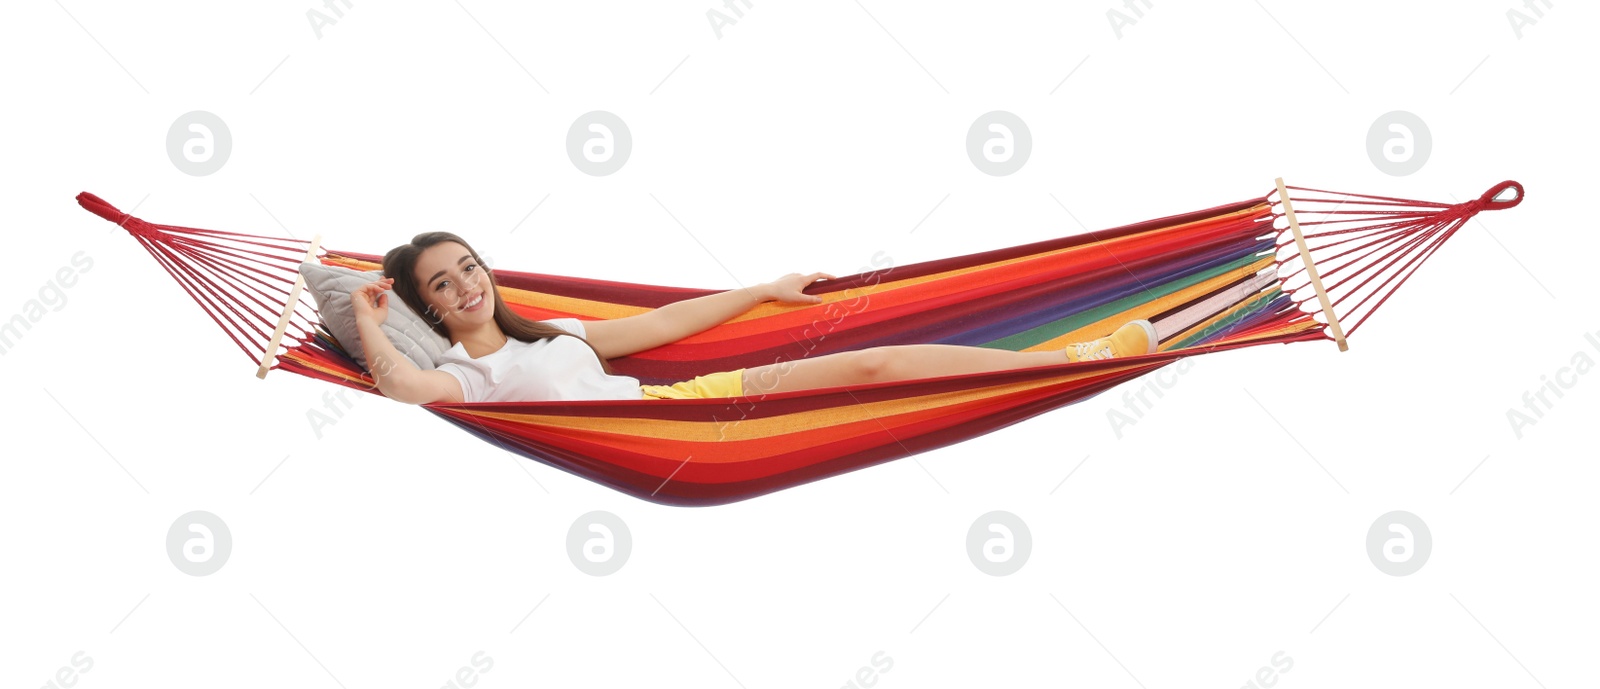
{"points": [[886, 363]]}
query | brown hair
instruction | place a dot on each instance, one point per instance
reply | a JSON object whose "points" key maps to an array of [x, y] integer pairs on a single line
{"points": [[401, 263]]}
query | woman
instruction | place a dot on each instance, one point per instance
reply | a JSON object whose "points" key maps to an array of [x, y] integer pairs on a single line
{"points": [[498, 355]]}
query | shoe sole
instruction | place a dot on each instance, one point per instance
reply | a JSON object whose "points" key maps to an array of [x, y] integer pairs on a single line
{"points": [[1150, 332]]}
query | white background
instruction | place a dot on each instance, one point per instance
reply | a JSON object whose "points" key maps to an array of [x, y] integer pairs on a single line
{"points": [[1211, 535]]}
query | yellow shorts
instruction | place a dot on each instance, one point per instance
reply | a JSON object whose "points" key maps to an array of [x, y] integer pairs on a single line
{"points": [[721, 384]]}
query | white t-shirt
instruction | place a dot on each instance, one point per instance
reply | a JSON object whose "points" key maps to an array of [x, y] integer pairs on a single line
{"points": [[555, 368]]}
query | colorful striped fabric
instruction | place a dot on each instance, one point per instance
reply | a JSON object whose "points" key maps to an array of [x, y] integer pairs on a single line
{"points": [[1210, 280]]}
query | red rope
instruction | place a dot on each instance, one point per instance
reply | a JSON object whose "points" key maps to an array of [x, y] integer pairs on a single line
{"points": [[220, 271], [1387, 239]]}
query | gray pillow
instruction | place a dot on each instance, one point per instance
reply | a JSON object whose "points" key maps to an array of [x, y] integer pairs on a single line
{"points": [[331, 287]]}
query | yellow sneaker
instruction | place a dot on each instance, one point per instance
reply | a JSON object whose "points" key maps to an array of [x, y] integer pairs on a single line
{"points": [[1134, 337]]}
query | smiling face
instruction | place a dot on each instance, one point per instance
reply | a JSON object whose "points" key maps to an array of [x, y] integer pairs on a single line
{"points": [[455, 287]]}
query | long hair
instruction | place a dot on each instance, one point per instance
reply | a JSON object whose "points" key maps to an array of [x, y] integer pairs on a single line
{"points": [[401, 263]]}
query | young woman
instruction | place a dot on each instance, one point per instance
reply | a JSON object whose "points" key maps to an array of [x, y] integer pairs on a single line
{"points": [[498, 355]]}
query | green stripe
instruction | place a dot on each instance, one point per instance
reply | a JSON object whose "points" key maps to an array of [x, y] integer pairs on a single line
{"points": [[1059, 327]]}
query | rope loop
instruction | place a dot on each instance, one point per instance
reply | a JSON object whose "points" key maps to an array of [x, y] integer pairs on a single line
{"points": [[1491, 201], [126, 221]]}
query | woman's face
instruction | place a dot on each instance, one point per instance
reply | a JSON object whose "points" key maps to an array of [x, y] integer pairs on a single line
{"points": [[454, 287]]}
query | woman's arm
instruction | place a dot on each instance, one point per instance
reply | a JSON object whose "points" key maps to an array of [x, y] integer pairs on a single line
{"points": [[398, 378], [667, 324]]}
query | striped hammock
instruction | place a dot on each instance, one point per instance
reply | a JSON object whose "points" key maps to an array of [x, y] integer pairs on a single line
{"points": [[1278, 268]]}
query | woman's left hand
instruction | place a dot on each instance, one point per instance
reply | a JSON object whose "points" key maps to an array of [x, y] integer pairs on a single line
{"points": [[787, 288]]}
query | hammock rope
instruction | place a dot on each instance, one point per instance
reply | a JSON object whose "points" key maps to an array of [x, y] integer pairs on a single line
{"points": [[1407, 237], [1211, 280]]}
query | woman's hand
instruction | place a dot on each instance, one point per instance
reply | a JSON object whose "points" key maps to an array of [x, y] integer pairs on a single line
{"points": [[787, 288], [370, 302]]}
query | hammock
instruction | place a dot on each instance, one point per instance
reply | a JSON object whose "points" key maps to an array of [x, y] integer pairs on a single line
{"points": [[1271, 269]]}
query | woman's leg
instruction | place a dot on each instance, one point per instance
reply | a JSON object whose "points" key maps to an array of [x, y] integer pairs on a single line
{"points": [[889, 362]]}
